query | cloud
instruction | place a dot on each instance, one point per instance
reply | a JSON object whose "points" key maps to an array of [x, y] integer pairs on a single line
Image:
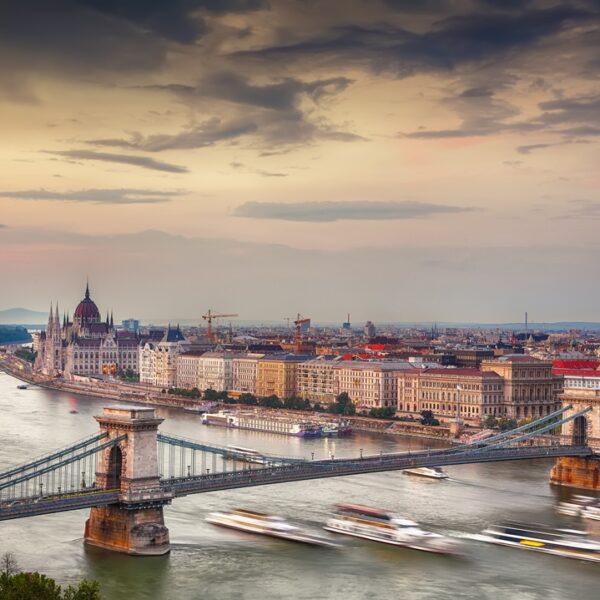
{"points": [[583, 209], [449, 43], [96, 196], [324, 212], [272, 114], [528, 148], [138, 161]]}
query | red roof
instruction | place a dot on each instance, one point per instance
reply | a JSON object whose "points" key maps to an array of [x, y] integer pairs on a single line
{"points": [[577, 372], [576, 363]]}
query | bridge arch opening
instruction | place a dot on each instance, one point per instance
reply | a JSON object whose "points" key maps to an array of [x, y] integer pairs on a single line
{"points": [[579, 431], [115, 466]]}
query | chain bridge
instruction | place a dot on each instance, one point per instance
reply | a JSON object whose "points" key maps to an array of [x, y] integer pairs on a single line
{"points": [[129, 471]]}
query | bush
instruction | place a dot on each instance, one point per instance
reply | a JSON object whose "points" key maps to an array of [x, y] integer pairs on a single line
{"points": [[343, 405], [249, 399], [490, 422], [271, 402], [386, 412], [427, 418], [295, 403]]}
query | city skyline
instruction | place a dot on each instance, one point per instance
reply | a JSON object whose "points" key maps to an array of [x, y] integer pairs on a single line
{"points": [[400, 161]]}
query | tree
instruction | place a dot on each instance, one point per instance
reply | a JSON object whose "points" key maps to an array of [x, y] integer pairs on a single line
{"points": [[505, 423], [490, 422], [211, 395], [35, 586], [343, 405], [86, 590], [385, 412], [271, 402], [427, 418], [296, 403], [249, 399], [8, 564]]}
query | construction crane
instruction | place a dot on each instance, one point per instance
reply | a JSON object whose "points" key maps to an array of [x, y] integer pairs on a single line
{"points": [[298, 337], [209, 316]]}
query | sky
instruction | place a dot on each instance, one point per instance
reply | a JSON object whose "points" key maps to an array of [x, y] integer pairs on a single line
{"points": [[401, 160]]}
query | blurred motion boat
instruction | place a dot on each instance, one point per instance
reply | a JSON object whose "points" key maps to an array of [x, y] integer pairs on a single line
{"points": [[270, 525], [580, 506], [560, 542], [388, 528], [431, 472]]}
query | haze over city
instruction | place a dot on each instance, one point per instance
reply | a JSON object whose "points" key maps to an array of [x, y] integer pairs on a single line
{"points": [[401, 161]]}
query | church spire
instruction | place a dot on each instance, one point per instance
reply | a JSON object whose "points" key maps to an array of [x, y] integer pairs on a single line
{"points": [[51, 316], [112, 323], [87, 289]]}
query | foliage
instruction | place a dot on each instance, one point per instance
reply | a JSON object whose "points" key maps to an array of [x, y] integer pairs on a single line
{"points": [[386, 412], [427, 418], [504, 423], [129, 375], [26, 354], [34, 586], [296, 403], [193, 393], [490, 422], [343, 405], [14, 334], [271, 402], [249, 399], [318, 407]]}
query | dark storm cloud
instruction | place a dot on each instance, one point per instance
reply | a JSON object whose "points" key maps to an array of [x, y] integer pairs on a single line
{"points": [[126, 159], [95, 196], [200, 136], [451, 42], [272, 113], [64, 37], [324, 212], [281, 95]]}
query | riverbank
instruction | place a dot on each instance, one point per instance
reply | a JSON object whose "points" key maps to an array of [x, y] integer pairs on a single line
{"points": [[130, 393]]}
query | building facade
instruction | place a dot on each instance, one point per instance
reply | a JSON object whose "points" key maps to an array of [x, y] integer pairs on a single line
{"points": [[467, 394], [189, 370], [315, 379], [370, 384], [244, 373], [86, 345], [276, 375], [530, 388], [216, 372]]}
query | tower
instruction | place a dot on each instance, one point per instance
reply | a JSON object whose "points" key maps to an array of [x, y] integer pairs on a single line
{"points": [[135, 525]]}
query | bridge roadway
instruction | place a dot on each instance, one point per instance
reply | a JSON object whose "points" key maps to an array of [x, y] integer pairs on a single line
{"points": [[177, 487]]}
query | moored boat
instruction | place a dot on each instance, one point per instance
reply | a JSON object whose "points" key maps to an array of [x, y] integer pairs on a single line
{"points": [[22, 386], [257, 422], [387, 528], [559, 542], [264, 524], [430, 472]]}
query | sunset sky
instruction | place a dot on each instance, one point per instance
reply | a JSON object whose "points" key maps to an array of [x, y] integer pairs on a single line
{"points": [[401, 160]]}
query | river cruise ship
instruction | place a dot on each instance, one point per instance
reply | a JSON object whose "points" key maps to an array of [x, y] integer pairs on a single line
{"points": [[264, 524], [586, 507], [386, 527], [560, 542], [430, 472], [256, 422]]}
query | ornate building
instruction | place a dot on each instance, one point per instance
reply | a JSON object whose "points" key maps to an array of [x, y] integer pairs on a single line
{"points": [[85, 346]]}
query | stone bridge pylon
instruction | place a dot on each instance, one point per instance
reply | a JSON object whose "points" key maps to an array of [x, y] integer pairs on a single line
{"points": [[136, 524]]}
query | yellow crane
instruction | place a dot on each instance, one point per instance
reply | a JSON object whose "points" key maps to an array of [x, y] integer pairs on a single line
{"points": [[209, 316]]}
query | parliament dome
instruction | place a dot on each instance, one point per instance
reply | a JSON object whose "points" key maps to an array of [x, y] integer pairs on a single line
{"points": [[87, 311]]}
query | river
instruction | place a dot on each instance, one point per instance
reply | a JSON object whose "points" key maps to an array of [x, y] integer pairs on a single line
{"points": [[210, 563]]}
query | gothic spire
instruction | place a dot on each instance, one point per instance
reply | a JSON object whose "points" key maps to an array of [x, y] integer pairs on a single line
{"points": [[51, 317], [112, 323], [87, 290]]}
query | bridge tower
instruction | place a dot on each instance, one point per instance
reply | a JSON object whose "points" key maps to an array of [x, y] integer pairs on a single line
{"points": [[135, 525], [582, 473]]}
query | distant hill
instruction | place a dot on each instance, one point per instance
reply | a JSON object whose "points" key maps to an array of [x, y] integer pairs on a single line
{"points": [[22, 316]]}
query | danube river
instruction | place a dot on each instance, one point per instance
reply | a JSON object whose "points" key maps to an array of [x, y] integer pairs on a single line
{"points": [[207, 562]]}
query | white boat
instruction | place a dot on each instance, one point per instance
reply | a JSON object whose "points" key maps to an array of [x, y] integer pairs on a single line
{"points": [[387, 528], [560, 542], [270, 525], [431, 472], [577, 506]]}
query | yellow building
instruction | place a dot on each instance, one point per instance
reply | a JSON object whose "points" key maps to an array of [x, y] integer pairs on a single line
{"points": [[277, 374]]}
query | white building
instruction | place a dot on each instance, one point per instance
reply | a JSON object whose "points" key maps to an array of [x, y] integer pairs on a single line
{"points": [[189, 370], [244, 369], [370, 384], [216, 371], [158, 361], [147, 363]]}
